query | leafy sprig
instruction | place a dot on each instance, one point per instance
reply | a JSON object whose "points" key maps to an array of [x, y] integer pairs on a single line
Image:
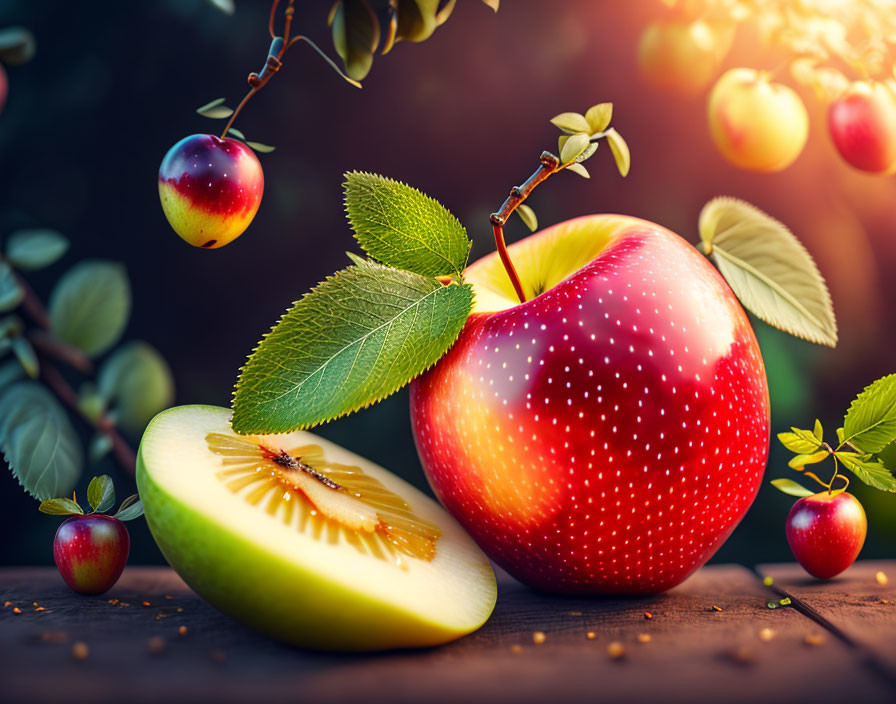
{"points": [[100, 497], [87, 315], [869, 429]]}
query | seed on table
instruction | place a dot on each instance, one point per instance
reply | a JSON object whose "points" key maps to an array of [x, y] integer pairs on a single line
{"points": [[155, 645], [716, 608], [591, 635], [616, 650], [516, 648], [40, 608], [539, 637], [648, 615], [881, 578], [644, 638], [113, 601], [181, 630], [814, 639], [16, 610], [768, 581], [742, 655], [80, 651], [766, 634], [7, 604], [145, 603], [53, 636]]}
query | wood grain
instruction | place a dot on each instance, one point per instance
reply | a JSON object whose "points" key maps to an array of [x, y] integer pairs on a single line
{"points": [[695, 654]]}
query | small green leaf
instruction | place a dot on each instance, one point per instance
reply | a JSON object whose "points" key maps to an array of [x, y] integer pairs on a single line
{"points": [[101, 493], [786, 601], [770, 271], [90, 306], [259, 147], [819, 431], [356, 35], [17, 46], [30, 250], [353, 340], [588, 153], [26, 355], [137, 380], [872, 472], [133, 510], [841, 436], [401, 227], [788, 486], [236, 133], [11, 294], [527, 215], [215, 110], [60, 507], [579, 169], [870, 423], [799, 441], [599, 116], [100, 446], [573, 147], [621, 154], [129, 501], [571, 123], [800, 461], [38, 441]]}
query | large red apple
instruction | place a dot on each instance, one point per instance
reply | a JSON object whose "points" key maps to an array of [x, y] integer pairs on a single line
{"points": [[862, 123], [607, 435]]}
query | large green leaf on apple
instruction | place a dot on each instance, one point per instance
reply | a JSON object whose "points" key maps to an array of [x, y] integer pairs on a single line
{"points": [[401, 227], [38, 441], [870, 423], [869, 470], [770, 271], [356, 338]]}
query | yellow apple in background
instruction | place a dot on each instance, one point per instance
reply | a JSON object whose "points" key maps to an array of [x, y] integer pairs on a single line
{"points": [[757, 124], [682, 57]]}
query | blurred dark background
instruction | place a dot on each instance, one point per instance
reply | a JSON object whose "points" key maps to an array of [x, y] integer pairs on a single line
{"points": [[462, 116]]}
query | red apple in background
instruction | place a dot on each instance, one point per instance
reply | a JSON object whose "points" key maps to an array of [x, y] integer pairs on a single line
{"points": [[862, 123], [91, 552], [210, 189], [607, 435], [826, 532]]}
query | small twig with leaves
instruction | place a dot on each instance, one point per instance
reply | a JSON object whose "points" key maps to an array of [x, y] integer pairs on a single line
{"points": [[869, 429], [100, 497], [580, 141]]}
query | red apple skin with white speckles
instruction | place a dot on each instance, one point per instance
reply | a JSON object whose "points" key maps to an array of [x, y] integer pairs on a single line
{"points": [[606, 436], [210, 189], [91, 552], [826, 532]]}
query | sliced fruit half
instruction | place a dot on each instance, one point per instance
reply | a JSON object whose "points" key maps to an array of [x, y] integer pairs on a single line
{"points": [[306, 541]]}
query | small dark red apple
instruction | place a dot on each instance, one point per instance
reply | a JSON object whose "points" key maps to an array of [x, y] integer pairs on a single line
{"points": [[862, 123], [826, 532], [91, 552]]}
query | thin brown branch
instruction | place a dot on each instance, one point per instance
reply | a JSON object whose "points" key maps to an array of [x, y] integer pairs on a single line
{"points": [[48, 345], [549, 165]]}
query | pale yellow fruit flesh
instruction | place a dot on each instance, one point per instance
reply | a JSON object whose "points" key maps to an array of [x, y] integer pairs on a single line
{"points": [[310, 581]]}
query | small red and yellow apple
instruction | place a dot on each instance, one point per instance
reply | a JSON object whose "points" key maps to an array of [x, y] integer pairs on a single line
{"points": [[210, 189], [607, 435], [826, 532], [681, 56], [756, 123], [862, 124]]}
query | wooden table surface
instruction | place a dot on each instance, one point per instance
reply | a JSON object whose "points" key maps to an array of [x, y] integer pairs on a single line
{"points": [[712, 639]]}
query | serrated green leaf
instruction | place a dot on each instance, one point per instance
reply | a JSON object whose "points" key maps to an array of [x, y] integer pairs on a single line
{"points": [[133, 510], [818, 432], [236, 133], [30, 250], [527, 215], [401, 227], [870, 423], [772, 274], [802, 460], [788, 486], [26, 355], [138, 382], [799, 441], [571, 122], [579, 169], [259, 147], [101, 493], [356, 35], [573, 147], [621, 154], [38, 441], [11, 294], [353, 340], [60, 507], [599, 116], [90, 306], [870, 471]]}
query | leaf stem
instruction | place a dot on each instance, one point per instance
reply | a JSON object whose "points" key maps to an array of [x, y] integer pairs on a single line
{"points": [[549, 165], [63, 390]]}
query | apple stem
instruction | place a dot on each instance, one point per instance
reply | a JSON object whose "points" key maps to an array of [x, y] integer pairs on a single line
{"points": [[279, 46], [549, 165]]}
